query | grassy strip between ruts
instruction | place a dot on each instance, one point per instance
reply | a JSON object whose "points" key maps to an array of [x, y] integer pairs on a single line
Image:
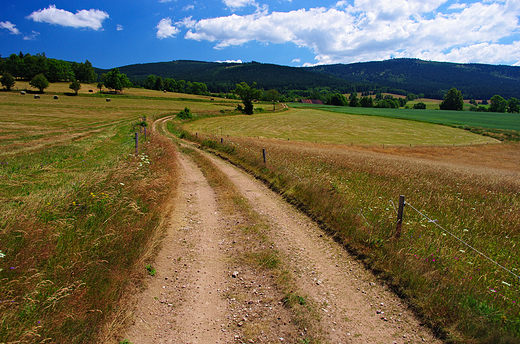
{"points": [[78, 222], [464, 297], [257, 252]]}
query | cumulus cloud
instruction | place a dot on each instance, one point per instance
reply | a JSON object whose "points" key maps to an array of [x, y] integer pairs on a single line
{"points": [[119, 27], [188, 8], [374, 30], [165, 29], [298, 60], [91, 19], [10, 26]]}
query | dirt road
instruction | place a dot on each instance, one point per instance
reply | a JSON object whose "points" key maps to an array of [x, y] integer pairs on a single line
{"points": [[203, 294]]}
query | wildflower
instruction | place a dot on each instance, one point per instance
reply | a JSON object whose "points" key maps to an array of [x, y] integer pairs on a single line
{"points": [[2, 255], [506, 283], [122, 184]]}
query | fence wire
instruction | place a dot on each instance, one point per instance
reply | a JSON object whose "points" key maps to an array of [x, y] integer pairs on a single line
{"points": [[462, 241]]}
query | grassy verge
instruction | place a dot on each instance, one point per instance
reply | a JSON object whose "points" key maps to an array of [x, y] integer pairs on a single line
{"points": [[463, 296], [77, 216]]}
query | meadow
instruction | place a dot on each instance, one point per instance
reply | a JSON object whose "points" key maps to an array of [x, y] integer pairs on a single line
{"points": [[456, 261], [80, 212], [338, 125]]}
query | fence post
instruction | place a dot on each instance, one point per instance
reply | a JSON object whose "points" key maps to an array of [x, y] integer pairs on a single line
{"points": [[221, 140], [145, 133], [263, 153], [136, 143], [400, 211]]}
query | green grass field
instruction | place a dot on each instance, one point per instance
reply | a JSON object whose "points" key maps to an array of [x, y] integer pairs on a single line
{"points": [[316, 125], [506, 121]]}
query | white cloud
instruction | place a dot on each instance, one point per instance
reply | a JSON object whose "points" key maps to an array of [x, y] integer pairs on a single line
{"points": [[375, 30], [188, 8], [119, 27], [457, 6], [187, 22], [92, 19], [230, 61], [10, 26], [32, 36], [298, 60], [233, 4], [165, 29]]}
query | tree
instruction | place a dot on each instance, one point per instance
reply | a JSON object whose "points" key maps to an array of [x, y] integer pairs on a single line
{"points": [[40, 82], [366, 102], [150, 82], [513, 105], [419, 105], [271, 95], [75, 86], [247, 94], [100, 86], [7, 81], [353, 100], [497, 104], [338, 99], [116, 80], [452, 100]]}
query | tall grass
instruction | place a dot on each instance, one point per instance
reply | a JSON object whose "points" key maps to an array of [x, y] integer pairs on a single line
{"points": [[463, 296], [78, 213]]}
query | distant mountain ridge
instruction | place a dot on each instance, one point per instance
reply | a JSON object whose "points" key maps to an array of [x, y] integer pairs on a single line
{"points": [[477, 81], [432, 79]]}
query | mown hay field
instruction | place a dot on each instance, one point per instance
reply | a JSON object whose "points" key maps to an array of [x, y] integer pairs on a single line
{"points": [[315, 125]]}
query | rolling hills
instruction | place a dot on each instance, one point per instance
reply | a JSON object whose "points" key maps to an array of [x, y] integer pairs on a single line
{"points": [[432, 79]]}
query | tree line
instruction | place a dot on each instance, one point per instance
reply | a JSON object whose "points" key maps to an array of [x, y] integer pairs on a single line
{"points": [[453, 100], [26, 67]]}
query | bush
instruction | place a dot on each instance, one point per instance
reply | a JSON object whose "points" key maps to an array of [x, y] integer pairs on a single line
{"points": [[419, 105], [185, 114]]}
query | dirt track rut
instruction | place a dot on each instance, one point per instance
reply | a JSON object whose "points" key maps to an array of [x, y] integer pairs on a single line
{"points": [[189, 299]]}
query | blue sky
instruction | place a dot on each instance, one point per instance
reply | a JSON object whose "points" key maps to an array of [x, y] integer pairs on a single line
{"points": [[294, 33]]}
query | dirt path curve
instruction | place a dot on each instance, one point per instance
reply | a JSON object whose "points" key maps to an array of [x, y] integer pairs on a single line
{"points": [[355, 308], [182, 303]]}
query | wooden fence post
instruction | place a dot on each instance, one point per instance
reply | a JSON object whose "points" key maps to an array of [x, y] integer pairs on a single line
{"points": [[400, 211], [145, 133], [221, 140], [263, 153], [136, 143]]}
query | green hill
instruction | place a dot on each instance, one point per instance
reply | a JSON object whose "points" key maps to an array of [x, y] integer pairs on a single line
{"points": [[223, 77], [433, 79]]}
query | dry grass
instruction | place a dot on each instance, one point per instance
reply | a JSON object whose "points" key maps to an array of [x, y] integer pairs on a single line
{"points": [[78, 211], [469, 191]]}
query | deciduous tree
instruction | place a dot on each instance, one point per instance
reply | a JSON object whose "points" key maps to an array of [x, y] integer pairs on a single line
{"points": [[497, 104], [40, 82], [247, 94], [452, 100], [7, 81], [513, 105], [75, 86], [116, 80]]}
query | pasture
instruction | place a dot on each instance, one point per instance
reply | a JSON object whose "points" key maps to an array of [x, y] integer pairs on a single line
{"points": [[504, 121], [334, 125]]}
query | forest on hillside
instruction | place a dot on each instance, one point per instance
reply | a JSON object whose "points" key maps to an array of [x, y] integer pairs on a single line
{"points": [[433, 79]]}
